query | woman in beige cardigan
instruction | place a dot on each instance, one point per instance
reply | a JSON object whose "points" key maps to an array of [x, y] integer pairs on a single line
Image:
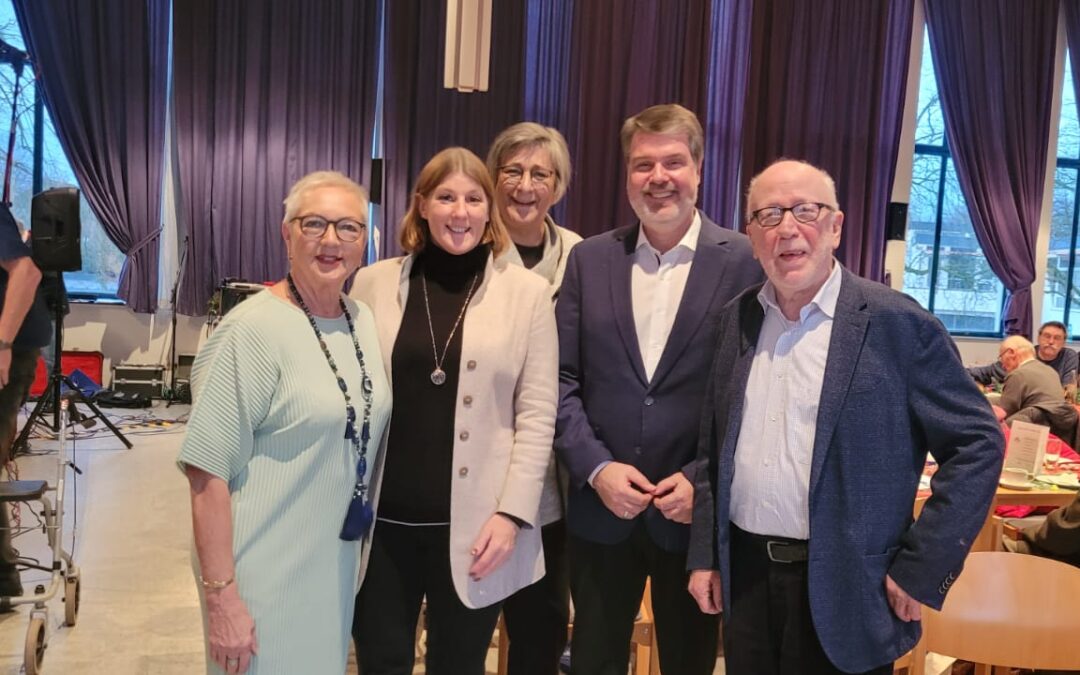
{"points": [[470, 345]]}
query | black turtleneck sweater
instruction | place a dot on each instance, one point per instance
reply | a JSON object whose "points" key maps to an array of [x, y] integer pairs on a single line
{"points": [[420, 451]]}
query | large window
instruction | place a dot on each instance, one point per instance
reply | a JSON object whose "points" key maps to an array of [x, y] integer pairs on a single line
{"points": [[1061, 299], [101, 260], [945, 268]]}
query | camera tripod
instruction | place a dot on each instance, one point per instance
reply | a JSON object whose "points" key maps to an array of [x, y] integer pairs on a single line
{"points": [[51, 395]]}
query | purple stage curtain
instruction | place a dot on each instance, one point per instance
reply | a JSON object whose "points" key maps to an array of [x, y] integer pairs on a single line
{"points": [[994, 61], [103, 69], [827, 83], [729, 61], [548, 32], [421, 117], [1072, 31], [625, 56], [265, 92]]}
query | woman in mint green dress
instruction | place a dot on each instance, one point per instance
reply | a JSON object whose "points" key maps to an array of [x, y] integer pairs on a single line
{"points": [[290, 404]]}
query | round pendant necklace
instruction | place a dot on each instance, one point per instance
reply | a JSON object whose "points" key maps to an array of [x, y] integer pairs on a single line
{"points": [[360, 514], [438, 376]]}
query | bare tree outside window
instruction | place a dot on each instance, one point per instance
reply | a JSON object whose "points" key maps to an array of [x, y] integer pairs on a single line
{"points": [[944, 267], [102, 261], [1061, 292]]}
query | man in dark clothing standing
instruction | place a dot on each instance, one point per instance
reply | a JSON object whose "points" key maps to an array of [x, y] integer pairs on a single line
{"points": [[24, 330]]}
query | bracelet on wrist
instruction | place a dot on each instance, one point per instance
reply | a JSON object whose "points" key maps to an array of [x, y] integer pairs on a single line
{"points": [[214, 584]]}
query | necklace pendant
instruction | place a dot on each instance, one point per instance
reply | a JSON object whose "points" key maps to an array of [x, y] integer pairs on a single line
{"points": [[438, 377]]}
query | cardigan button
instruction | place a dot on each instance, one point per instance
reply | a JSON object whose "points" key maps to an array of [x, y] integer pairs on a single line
{"points": [[471, 365], [464, 435], [467, 400], [463, 471]]}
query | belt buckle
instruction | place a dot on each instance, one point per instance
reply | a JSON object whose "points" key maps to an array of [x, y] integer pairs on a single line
{"points": [[780, 545]]}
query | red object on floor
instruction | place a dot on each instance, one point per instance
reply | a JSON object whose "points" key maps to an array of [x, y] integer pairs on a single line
{"points": [[90, 363]]}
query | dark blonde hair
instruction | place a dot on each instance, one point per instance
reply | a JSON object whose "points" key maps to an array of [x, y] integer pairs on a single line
{"points": [[414, 229], [668, 119], [532, 135]]}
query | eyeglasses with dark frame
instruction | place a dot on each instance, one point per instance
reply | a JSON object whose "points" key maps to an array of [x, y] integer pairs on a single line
{"points": [[348, 230], [803, 212], [513, 173]]}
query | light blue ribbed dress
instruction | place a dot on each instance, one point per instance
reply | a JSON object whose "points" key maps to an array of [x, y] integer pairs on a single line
{"points": [[269, 418]]}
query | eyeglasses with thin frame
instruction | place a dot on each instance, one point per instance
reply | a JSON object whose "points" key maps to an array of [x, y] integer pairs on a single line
{"points": [[513, 173], [347, 229], [803, 212]]}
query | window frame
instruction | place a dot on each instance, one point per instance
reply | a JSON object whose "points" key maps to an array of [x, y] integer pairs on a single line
{"points": [[1074, 165], [942, 153], [37, 178]]}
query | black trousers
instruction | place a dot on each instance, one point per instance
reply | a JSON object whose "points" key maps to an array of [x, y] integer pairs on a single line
{"points": [[407, 564], [769, 630], [537, 615], [607, 581], [20, 378]]}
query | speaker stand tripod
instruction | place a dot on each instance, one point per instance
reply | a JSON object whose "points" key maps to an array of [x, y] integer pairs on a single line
{"points": [[51, 395]]}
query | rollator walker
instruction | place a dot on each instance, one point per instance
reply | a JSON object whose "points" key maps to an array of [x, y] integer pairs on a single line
{"points": [[63, 571]]}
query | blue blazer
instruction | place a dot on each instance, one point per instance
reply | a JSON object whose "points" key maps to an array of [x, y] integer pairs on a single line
{"points": [[607, 408], [894, 389]]}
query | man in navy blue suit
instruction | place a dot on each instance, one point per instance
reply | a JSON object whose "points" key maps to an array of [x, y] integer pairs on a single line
{"points": [[637, 323], [827, 391]]}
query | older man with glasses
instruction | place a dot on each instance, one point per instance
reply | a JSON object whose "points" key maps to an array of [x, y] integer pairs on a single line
{"points": [[1031, 392], [808, 467], [1051, 351]]}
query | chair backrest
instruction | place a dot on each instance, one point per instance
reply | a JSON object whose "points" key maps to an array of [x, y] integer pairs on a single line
{"points": [[1009, 609]]}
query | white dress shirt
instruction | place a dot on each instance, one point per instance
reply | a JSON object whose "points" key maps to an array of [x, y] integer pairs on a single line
{"points": [[769, 492], [657, 282]]}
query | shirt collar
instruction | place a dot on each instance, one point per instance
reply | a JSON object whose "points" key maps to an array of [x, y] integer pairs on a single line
{"points": [[824, 300], [688, 241]]}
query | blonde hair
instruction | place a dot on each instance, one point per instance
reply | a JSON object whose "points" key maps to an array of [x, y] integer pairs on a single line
{"points": [[668, 119], [414, 229], [321, 179], [532, 135]]}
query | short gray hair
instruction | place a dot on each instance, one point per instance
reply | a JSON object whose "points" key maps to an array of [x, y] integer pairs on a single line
{"points": [[532, 135], [321, 179], [829, 182], [1019, 344]]}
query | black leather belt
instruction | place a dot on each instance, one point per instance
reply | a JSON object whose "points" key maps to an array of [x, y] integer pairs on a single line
{"points": [[776, 549]]}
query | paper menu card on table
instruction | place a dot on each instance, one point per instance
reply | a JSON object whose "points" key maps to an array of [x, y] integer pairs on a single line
{"points": [[1027, 445]]}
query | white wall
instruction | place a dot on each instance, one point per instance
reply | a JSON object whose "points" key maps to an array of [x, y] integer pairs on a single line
{"points": [[126, 337]]}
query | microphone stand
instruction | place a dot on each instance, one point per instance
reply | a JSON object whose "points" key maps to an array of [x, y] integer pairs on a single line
{"points": [[172, 302]]}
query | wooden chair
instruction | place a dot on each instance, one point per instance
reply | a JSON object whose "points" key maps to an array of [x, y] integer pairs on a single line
{"points": [[903, 664], [643, 654], [1006, 609]]}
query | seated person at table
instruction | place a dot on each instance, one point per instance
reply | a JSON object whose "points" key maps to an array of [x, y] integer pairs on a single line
{"points": [[1057, 537], [1051, 351], [1032, 390]]}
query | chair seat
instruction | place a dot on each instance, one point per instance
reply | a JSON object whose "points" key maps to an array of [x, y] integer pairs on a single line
{"points": [[22, 490]]}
